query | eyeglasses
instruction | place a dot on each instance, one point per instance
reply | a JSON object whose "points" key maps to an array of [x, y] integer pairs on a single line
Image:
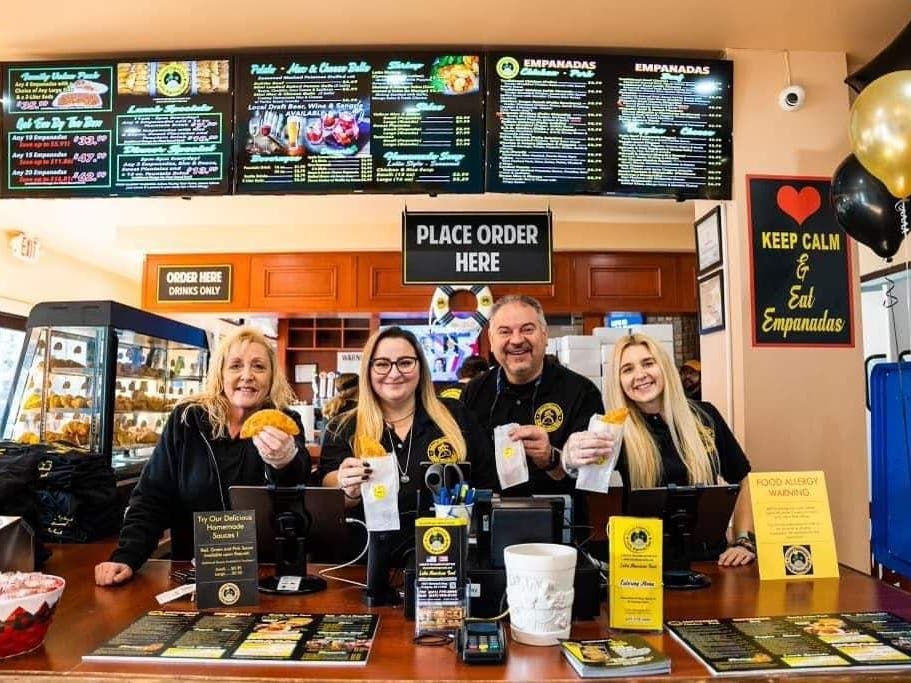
{"points": [[405, 365]]}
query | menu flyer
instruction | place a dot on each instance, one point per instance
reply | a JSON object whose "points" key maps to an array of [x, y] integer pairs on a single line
{"points": [[609, 124], [636, 590], [243, 637], [809, 643], [341, 123], [106, 129]]}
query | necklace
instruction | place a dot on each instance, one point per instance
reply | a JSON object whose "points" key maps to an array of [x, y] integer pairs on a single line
{"points": [[403, 471], [398, 419]]}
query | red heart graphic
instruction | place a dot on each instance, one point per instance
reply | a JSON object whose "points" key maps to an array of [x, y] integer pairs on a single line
{"points": [[799, 205]]}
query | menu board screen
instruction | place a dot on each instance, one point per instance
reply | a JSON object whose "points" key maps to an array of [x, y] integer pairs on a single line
{"points": [[108, 129], [546, 123], [374, 122], [578, 123], [670, 133]]}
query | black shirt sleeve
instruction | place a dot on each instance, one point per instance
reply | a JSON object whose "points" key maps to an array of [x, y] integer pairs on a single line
{"points": [[733, 461], [153, 499], [480, 449], [336, 447]]}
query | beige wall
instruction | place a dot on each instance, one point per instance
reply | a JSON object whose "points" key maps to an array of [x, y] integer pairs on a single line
{"points": [[792, 408], [56, 277]]}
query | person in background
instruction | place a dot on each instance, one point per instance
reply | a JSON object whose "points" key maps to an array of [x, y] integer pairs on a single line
{"points": [[471, 368], [345, 398], [398, 408], [548, 402], [671, 440], [691, 377], [200, 454]]}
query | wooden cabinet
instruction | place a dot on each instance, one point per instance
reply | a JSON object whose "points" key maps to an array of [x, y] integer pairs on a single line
{"points": [[371, 283], [647, 282], [312, 333], [308, 283], [316, 340], [380, 288]]}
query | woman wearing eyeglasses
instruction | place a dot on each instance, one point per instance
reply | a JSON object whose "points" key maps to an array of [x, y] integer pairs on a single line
{"points": [[398, 407]]}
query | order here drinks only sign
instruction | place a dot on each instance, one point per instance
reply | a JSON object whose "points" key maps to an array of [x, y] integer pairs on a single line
{"points": [[477, 248], [189, 284]]}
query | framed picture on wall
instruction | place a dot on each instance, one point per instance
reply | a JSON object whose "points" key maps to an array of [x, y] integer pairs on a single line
{"points": [[708, 241], [711, 303]]}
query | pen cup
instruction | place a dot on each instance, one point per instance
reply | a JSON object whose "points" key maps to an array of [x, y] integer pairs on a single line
{"points": [[459, 510]]}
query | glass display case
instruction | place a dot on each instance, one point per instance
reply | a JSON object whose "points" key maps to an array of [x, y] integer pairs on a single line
{"points": [[103, 377]]}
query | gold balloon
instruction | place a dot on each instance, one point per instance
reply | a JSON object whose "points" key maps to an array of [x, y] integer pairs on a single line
{"points": [[880, 130]]}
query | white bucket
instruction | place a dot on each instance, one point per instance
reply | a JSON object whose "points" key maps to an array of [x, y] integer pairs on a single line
{"points": [[539, 587]]}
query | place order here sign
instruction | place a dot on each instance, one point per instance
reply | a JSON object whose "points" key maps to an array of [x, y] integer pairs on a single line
{"points": [[190, 284], [477, 248]]}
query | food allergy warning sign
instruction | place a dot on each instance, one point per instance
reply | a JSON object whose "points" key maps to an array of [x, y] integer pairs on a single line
{"points": [[477, 248], [194, 284]]}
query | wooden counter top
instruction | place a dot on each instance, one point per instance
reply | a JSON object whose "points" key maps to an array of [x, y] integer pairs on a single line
{"points": [[88, 616]]}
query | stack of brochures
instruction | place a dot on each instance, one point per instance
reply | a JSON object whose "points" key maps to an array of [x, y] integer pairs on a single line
{"points": [[619, 656]]}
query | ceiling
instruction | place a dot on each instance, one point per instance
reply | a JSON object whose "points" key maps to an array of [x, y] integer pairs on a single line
{"points": [[104, 232]]}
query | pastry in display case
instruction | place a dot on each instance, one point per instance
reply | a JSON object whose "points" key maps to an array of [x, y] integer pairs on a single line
{"points": [[103, 377]]}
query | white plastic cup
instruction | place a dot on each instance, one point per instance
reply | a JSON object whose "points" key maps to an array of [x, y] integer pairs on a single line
{"points": [[459, 510], [539, 587]]}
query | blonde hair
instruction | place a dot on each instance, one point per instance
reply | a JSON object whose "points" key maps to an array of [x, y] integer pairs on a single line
{"points": [[369, 413], [213, 399], [689, 426]]}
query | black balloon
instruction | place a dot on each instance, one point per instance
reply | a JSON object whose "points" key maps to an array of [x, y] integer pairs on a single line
{"points": [[894, 57], [865, 208]]}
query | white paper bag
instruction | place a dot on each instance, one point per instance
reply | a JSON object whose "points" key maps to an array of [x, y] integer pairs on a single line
{"points": [[596, 477], [512, 468], [381, 494]]}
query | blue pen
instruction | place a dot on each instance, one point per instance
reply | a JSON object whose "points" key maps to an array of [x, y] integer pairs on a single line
{"points": [[469, 498]]}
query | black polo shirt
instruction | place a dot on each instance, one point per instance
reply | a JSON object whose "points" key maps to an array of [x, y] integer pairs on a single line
{"points": [[560, 401], [424, 442], [733, 462]]}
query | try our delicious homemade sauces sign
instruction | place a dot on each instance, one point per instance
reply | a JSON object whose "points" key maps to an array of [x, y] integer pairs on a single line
{"points": [[192, 284], [799, 261], [478, 248]]}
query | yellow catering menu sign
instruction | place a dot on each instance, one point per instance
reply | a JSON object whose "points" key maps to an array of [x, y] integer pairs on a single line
{"points": [[636, 587], [794, 537]]}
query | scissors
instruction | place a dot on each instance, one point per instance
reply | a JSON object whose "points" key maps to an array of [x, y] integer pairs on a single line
{"points": [[437, 478]]}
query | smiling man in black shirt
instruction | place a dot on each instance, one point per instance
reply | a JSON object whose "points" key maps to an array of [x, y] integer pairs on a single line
{"points": [[548, 401]]}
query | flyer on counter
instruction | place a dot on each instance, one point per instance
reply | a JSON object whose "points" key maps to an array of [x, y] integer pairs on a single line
{"points": [[809, 643], [794, 535], [636, 565], [243, 637], [225, 554]]}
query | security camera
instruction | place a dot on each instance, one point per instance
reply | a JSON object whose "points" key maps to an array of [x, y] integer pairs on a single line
{"points": [[792, 98]]}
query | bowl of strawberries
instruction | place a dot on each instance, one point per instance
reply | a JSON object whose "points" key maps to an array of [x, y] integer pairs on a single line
{"points": [[28, 601]]}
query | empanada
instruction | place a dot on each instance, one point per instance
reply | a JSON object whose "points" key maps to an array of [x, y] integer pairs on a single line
{"points": [[615, 417], [270, 417], [367, 446]]}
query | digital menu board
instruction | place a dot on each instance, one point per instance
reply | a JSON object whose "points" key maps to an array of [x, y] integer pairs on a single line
{"points": [[117, 128], [373, 122], [609, 124]]}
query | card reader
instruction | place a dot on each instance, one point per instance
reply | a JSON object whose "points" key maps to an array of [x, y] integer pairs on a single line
{"points": [[482, 642]]}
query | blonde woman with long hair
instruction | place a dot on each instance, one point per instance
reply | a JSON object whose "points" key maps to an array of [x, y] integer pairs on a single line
{"points": [[399, 409], [671, 440], [200, 454]]}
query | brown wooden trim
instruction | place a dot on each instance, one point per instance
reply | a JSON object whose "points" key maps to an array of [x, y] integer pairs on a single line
{"points": [[13, 322], [883, 272], [371, 282]]}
